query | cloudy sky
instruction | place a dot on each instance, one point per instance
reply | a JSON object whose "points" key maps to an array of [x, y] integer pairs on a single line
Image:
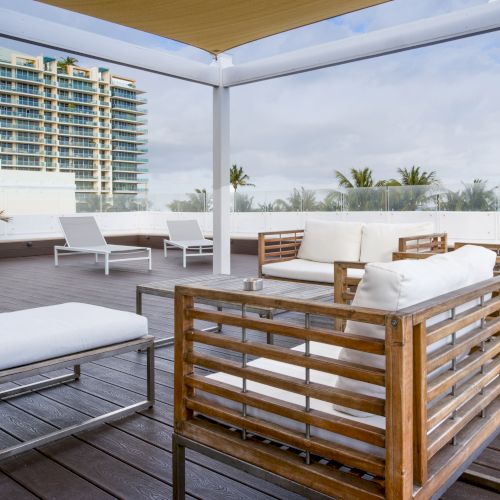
{"points": [[437, 107]]}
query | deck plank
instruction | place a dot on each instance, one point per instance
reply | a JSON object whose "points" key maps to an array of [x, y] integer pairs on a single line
{"points": [[130, 458]]}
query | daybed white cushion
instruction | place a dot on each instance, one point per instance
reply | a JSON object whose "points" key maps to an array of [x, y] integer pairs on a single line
{"points": [[298, 372], [378, 241], [395, 285], [306, 270], [48, 332], [326, 241]]}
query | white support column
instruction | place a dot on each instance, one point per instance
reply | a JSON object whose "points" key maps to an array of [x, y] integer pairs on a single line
{"points": [[221, 165]]}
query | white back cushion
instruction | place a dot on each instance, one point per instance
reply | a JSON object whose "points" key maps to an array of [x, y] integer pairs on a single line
{"points": [[395, 285], [378, 241], [326, 241]]}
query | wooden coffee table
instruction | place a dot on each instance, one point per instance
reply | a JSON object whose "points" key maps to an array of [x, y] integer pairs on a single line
{"points": [[281, 288]]}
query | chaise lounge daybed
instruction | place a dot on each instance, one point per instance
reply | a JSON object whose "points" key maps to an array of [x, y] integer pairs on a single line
{"points": [[396, 406], [187, 236], [83, 236], [45, 339]]}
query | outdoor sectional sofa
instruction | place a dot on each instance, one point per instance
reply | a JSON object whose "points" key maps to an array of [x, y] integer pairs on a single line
{"points": [[308, 255], [396, 406]]}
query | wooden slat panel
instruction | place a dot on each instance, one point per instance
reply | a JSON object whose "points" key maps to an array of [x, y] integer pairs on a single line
{"points": [[442, 435], [374, 316], [322, 478], [473, 338], [326, 449], [448, 326], [465, 368], [473, 386], [331, 337], [327, 421], [333, 366], [341, 397]]}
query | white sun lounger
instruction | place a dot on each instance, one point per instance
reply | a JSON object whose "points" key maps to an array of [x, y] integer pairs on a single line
{"points": [[83, 236], [187, 235]]}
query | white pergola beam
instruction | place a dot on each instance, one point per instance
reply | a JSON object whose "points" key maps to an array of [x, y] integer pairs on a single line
{"points": [[30, 29], [447, 27]]}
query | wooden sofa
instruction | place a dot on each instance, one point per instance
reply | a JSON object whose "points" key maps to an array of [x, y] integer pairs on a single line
{"points": [[433, 428], [281, 253]]}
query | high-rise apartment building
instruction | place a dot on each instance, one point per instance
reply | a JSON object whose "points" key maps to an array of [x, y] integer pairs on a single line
{"points": [[58, 117]]}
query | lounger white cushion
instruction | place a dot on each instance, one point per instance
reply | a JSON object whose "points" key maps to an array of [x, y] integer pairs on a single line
{"points": [[306, 270], [298, 372], [326, 241], [395, 285], [378, 240], [48, 332]]}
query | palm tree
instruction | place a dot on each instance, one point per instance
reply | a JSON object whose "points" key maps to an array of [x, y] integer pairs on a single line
{"points": [[413, 177], [64, 62], [361, 178], [237, 177], [3, 217]]}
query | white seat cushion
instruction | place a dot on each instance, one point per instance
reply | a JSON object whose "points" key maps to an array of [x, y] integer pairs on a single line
{"points": [[378, 241], [48, 332], [392, 286], [306, 270], [326, 241]]}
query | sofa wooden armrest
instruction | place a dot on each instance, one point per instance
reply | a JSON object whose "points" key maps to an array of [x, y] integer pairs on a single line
{"points": [[433, 243], [420, 447], [278, 246]]}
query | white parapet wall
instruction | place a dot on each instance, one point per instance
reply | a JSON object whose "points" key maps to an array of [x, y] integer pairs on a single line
{"points": [[25, 192], [470, 226]]}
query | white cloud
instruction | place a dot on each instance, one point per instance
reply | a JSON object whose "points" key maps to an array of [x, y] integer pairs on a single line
{"points": [[437, 107]]}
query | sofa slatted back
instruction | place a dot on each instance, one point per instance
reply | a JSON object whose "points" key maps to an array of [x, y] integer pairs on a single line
{"points": [[434, 425], [278, 246], [433, 243], [254, 436], [457, 384]]}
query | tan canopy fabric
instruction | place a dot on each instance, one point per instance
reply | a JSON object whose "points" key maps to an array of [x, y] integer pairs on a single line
{"points": [[214, 25]]}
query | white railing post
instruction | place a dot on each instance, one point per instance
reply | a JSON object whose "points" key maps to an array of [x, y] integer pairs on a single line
{"points": [[221, 165]]}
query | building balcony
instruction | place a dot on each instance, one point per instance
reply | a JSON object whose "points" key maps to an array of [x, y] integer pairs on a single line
{"points": [[129, 159], [24, 116], [128, 96], [74, 111], [91, 102], [79, 88], [128, 118], [80, 123], [128, 109], [18, 90]]}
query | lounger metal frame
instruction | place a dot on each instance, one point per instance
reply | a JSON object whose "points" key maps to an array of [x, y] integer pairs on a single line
{"points": [[66, 250], [74, 361]]}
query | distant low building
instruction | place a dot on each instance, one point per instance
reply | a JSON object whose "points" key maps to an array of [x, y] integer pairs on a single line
{"points": [[65, 118]]}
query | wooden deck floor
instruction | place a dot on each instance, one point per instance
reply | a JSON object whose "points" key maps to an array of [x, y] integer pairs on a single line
{"points": [[130, 459]]}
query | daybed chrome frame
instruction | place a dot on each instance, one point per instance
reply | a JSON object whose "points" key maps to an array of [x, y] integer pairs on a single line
{"points": [[74, 360]]}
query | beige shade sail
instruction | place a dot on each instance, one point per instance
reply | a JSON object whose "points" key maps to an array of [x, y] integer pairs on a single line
{"points": [[214, 25]]}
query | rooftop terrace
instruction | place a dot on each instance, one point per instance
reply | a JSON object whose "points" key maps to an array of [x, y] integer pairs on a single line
{"points": [[130, 458]]}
